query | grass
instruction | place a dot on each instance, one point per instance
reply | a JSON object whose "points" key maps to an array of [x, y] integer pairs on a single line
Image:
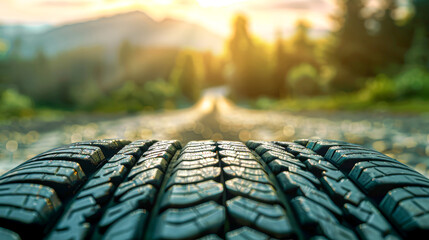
{"points": [[345, 102]]}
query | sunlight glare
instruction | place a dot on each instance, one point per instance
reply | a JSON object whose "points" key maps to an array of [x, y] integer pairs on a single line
{"points": [[218, 3]]}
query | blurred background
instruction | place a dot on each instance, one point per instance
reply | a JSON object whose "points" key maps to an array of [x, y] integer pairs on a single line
{"points": [[354, 70]]}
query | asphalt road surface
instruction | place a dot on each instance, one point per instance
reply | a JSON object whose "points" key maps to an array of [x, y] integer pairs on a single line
{"points": [[403, 137]]}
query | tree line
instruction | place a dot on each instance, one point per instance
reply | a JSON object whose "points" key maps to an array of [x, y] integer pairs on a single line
{"points": [[383, 54]]}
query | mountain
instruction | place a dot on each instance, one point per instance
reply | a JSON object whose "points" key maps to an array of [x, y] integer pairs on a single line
{"points": [[110, 32]]}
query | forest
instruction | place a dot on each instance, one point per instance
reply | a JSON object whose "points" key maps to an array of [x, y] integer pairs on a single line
{"points": [[376, 57]]}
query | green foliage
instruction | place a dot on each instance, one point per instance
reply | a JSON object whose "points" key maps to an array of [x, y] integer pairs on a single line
{"points": [[413, 83], [131, 97], [380, 88], [14, 104], [304, 80], [187, 76]]}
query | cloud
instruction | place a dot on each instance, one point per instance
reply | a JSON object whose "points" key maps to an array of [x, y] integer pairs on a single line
{"points": [[292, 5], [57, 3], [186, 2]]}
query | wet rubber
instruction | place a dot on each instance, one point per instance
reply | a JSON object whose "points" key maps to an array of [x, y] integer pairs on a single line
{"points": [[150, 189]]}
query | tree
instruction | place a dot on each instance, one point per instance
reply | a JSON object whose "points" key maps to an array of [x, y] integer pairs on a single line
{"points": [[391, 41], [281, 68], [126, 52], [16, 49], [187, 76], [350, 54], [249, 61], [418, 54]]}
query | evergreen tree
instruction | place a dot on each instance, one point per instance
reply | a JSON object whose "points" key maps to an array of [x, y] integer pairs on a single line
{"points": [[418, 54], [126, 52], [187, 76], [302, 47], [280, 88], [391, 41], [350, 55], [251, 70]]}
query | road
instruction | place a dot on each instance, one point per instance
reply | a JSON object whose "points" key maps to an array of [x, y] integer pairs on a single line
{"points": [[403, 137]]}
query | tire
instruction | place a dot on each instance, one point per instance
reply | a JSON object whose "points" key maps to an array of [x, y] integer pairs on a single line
{"points": [[147, 189]]}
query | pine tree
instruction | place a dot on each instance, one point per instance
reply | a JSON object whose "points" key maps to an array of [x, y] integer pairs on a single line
{"points": [[251, 72], [350, 55], [281, 68], [418, 54], [186, 76]]}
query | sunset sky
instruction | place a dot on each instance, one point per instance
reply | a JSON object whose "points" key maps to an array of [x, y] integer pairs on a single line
{"points": [[266, 16]]}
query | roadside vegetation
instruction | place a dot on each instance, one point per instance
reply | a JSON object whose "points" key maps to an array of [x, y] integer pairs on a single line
{"points": [[377, 58]]}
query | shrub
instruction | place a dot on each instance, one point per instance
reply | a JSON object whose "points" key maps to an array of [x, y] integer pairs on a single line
{"points": [[413, 82], [380, 88], [303, 80], [14, 104]]}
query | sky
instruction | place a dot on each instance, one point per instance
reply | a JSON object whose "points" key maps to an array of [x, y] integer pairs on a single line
{"points": [[266, 16]]}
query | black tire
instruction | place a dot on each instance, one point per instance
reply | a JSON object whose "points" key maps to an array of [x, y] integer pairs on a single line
{"points": [[307, 189]]}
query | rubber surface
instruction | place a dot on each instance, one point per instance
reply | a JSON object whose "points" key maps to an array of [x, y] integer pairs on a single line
{"points": [[148, 189]]}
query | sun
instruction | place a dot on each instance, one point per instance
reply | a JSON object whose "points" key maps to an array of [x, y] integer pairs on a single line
{"points": [[218, 3]]}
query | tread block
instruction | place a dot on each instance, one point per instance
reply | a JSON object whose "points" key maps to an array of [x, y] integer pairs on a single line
{"points": [[196, 156], [153, 163], [108, 146], [196, 164], [278, 165], [311, 213], [122, 159], [113, 173], [302, 142], [257, 175], [88, 157], [346, 162], [367, 232], [134, 198], [63, 176], [318, 167], [235, 154], [321, 198], [192, 194], [408, 208], [238, 148], [141, 197], [128, 227], [377, 178], [368, 214], [298, 149], [268, 218], [273, 155], [304, 156], [291, 182], [322, 146], [230, 161], [194, 176], [190, 223], [318, 220], [151, 176], [96, 193], [27, 206], [342, 190], [263, 148], [199, 148], [254, 190], [340, 150], [74, 222], [210, 237], [252, 144], [7, 234], [246, 233]]}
